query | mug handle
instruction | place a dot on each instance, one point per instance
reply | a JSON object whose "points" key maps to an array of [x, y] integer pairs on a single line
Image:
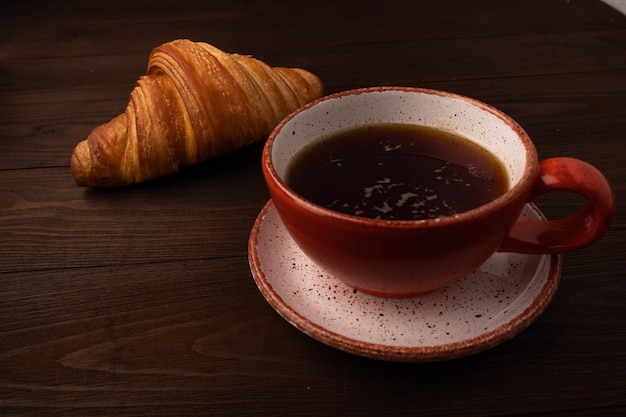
{"points": [[569, 233]]}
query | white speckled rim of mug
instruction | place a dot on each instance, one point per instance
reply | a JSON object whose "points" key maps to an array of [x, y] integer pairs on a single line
{"points": [[470, 118]]}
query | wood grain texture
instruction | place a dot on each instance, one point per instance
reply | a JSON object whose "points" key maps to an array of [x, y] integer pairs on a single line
{"points": [[138, 301]]}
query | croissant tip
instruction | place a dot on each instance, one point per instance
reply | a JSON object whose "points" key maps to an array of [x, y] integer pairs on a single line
{"points": [[77, 169], [82, 168]]}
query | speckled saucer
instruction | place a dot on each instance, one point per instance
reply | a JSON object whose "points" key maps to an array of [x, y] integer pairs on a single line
{"points": [[493, 304]]}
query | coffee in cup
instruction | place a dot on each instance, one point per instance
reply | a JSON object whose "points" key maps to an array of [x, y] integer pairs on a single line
{"points": [[397, 172], [400, 191]]}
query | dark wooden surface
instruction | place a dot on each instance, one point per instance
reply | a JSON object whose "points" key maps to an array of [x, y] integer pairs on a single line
{"points": [[139, 301]]}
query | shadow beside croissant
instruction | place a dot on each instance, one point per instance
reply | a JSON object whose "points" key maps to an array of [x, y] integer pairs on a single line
{"points": [[214, 174]]}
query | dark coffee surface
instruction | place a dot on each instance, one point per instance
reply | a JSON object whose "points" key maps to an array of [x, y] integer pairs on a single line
{"points": [[397, 172]]}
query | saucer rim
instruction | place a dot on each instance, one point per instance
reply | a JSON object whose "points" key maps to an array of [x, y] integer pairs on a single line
{"points": [[457, 349]]}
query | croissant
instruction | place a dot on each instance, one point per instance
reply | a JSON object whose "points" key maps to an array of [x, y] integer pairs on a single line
{"points": [[194, 103]]}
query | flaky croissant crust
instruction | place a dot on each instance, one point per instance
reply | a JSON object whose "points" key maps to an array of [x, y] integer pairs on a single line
{"points": [[194, 103]]}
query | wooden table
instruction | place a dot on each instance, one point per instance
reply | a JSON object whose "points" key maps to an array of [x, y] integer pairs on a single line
{"points": [[139, 300]]}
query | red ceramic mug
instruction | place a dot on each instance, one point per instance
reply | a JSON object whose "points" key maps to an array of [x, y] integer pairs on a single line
{"points": [[404, 258]]}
